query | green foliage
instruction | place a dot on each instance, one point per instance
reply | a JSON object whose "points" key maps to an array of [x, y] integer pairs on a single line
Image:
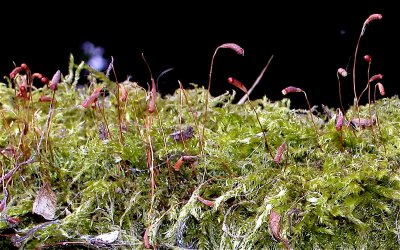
{"points": [[99, 163]]}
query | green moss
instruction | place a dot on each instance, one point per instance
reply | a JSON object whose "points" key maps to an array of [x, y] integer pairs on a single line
{"points": [[338, 195]]}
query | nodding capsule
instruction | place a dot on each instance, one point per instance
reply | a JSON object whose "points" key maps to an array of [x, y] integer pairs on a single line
{"points": [[93, 97], [15, 71], [372, 18], [291, 89], [24, 66], [342, 72], [381, 88], [237, 84], [233, 46], [37, 75], [367, 58], [376, 77]]}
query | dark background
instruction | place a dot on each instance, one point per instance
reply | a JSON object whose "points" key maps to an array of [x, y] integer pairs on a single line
{"points": [[308, 41]]}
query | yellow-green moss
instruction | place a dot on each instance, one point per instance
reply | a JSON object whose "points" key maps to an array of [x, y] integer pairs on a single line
{"points": [[337, 196]]}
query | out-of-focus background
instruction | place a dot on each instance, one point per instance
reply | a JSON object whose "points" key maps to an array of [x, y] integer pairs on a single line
{"points": [[308, 43]]}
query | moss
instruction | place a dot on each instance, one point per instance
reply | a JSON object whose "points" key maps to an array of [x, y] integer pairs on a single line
{"points": [[101, 163]]}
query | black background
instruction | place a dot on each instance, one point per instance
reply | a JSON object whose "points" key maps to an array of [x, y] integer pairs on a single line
{"points": [[309, 41]]}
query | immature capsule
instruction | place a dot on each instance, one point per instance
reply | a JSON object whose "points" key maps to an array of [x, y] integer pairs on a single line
{"points": [[367, 58], [339, 120], [278, 155], [205, 202], [291, 89], [342, 72], [381, 88]]}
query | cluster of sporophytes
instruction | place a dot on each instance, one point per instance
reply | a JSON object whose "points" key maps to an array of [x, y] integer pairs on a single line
{"points": [[111, 164]]}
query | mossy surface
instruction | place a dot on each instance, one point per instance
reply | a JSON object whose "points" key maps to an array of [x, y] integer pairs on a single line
{"points": [[111, 168]]}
